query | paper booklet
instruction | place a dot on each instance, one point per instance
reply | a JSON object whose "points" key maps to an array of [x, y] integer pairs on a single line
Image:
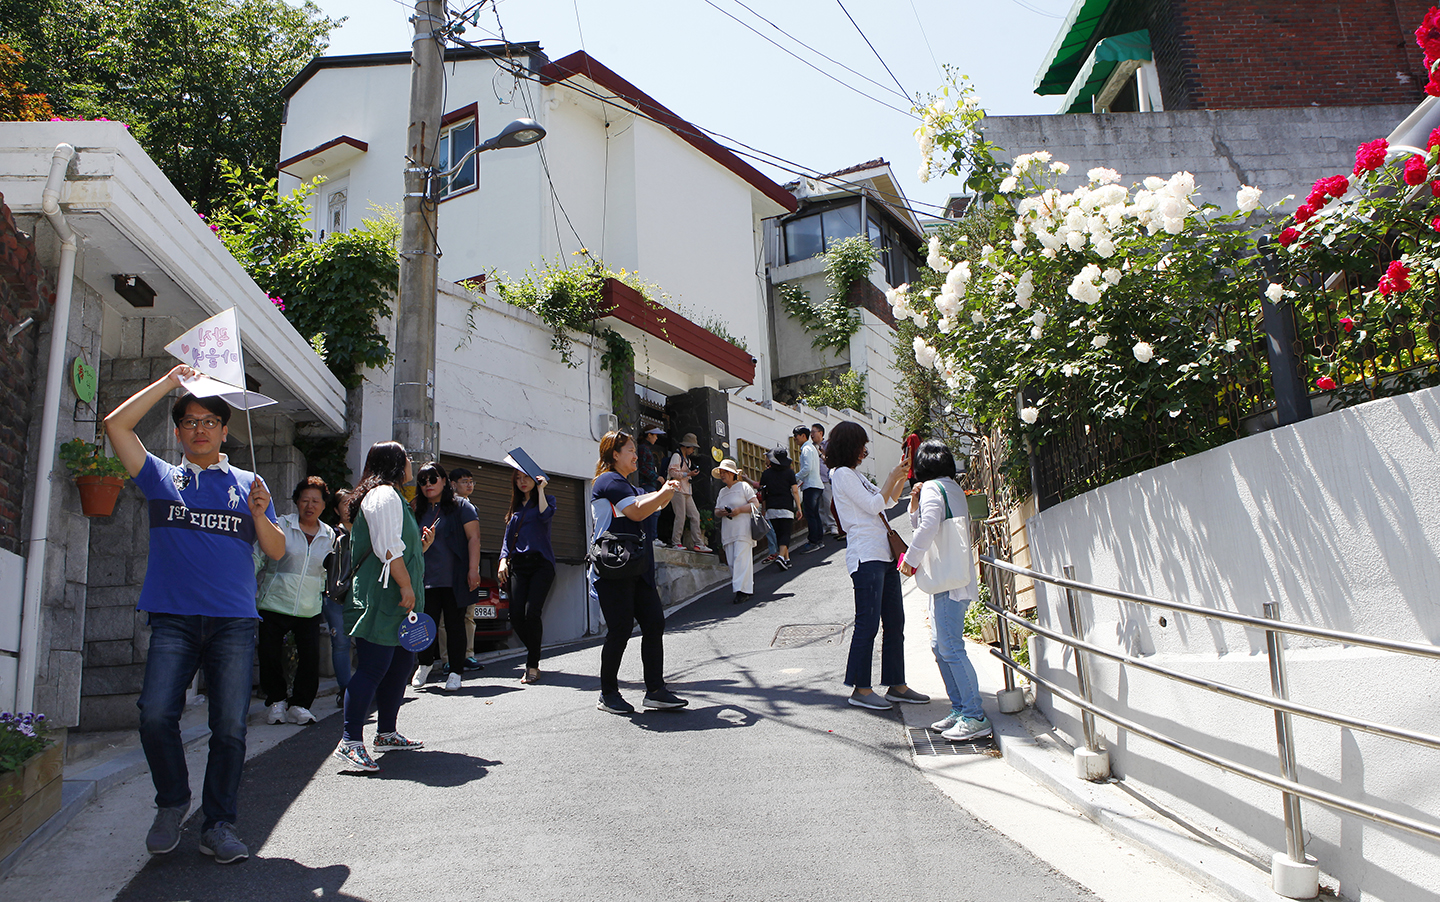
{"points": [[523, 462]]}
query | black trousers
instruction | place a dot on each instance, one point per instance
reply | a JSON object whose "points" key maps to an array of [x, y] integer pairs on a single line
{"points": [[271, 647], [625, 602], [440, 602], [529, 587]]}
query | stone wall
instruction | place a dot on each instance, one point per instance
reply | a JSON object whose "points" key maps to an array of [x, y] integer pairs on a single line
{"points": [[1282, 151], [21, 290]]}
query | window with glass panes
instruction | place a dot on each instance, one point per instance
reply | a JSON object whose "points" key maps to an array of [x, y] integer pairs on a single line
{"points": [[455, 141]]}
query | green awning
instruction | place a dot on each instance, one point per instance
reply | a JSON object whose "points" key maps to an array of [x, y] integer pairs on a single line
{"points": [[1067, 53], [1099, 65]]}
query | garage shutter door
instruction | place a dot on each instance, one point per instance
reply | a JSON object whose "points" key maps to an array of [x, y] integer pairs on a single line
{"points": [[492, 498]]}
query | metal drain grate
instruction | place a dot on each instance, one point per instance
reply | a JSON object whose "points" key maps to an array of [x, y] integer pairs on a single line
{"points": [[808, 634], [926, 742]]}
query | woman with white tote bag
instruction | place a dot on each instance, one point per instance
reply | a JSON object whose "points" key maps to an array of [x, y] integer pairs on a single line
{"points": [[940, 551]]}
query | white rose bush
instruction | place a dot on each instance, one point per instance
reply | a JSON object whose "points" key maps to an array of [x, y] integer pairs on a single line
{"points": [[1048, 313]]}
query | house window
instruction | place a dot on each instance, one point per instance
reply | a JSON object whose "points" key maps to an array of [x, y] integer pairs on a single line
{"points": [[336, 218], [808, 236], [455, 141]]}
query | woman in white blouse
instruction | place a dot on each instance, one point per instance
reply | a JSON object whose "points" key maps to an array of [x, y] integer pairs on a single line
{"points": [[389, 583], [734, 506], [936, 498], [861, 507]]}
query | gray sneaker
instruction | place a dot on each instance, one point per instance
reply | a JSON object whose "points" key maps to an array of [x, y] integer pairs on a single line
{"points": [[221, 843], [969, 729], [164, 833]]}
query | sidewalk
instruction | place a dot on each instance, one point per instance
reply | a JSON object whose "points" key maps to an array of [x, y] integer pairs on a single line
{"points": [[1103, 836]]}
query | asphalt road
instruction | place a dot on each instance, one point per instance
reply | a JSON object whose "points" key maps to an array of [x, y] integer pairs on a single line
{"points": [[768, 787]]}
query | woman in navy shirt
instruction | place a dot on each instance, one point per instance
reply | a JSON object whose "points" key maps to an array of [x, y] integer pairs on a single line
{"points": [[528, 560], [620, 508]]}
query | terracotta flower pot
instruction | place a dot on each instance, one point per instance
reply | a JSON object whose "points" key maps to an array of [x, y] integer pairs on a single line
{"points": [[98, 494]]}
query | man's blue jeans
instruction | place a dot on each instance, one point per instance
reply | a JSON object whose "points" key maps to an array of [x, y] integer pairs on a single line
{"points": [[811, 502], [224, 649], [877, 601], [947, 641]]}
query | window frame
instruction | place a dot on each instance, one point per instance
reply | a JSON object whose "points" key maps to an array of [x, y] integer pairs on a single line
{"points": [[448, 124]]}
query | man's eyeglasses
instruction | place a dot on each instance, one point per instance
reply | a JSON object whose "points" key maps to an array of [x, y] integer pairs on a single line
{"points": [[427, 480], [190, 423]]}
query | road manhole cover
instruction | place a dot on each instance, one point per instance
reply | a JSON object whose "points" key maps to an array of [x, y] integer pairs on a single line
{"points": [[808, 634], [926, 742]]}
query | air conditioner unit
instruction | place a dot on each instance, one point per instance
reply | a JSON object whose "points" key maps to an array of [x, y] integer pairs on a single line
{"points": [[607, 422]]}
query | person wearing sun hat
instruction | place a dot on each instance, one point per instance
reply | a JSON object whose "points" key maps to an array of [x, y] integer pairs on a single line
{"points": [[734, 507], [683, 504]]}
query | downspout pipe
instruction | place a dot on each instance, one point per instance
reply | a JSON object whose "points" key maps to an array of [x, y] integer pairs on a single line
{"points": [[49, 425]]}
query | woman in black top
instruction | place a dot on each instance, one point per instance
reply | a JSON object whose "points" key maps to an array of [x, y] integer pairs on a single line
{"points": [[620, 508], [452, 566], [780, 492]]}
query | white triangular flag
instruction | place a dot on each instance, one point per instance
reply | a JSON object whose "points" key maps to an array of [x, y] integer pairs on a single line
{"points": [[213, 348]]}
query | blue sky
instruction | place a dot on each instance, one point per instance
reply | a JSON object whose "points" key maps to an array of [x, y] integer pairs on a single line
{"points": [[716, 73]]}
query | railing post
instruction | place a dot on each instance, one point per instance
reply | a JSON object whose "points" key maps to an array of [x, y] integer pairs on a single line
{"points": [[1011, 699], [1091, 762], [1291, 873]]}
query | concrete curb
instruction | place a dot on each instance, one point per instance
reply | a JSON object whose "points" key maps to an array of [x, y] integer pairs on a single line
{"points": [[1201, 855]]}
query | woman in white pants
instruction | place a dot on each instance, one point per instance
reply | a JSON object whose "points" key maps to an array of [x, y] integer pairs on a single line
{"points": [[735, 505]]}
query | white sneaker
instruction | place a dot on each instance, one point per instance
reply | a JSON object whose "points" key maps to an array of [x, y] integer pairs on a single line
{"points": [[422, 673], [299, 715], [452, 683], [946, 722], [968, 729], [276, 713]]}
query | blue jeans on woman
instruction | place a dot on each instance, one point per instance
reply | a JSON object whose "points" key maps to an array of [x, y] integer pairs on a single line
{"points": [[339, 642], [381, 672], [947, 642], [877, 601], [222, 648]]}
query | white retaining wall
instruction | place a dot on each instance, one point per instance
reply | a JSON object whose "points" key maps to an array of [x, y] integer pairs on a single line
{"points": [[1334, 518]]}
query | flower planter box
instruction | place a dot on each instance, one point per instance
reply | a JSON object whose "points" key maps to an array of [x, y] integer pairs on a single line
{"points": [[31, 795], [98, 494]]}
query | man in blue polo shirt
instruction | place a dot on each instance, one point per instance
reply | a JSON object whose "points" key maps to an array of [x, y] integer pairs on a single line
{"points": [[199, 591]]}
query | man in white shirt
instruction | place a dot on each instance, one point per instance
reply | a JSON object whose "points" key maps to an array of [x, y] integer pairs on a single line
{"points": [[827, 500], [811, 487]]}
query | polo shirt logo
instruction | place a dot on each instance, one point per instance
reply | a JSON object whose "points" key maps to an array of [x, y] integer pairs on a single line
{"points": [[181, 478], [234, 499]]}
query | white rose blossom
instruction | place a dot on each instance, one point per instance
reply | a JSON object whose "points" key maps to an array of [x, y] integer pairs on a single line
{"points": [[1231, 345], [1099, 341], [1009, 184], [1275, 292], [1059, 168], [977, 318], [1247, 198], [1143, 351], [1036, 332], [1103, 176], [1030, 415]]}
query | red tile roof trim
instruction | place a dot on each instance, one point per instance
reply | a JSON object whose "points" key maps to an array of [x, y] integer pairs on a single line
{"points": [[581, 63], [628, 305]]}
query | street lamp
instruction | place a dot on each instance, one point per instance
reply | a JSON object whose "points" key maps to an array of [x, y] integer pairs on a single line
{"points": [[414, 399]]}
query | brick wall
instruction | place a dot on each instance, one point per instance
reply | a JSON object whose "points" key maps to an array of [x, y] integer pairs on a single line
{"points": [[1223, 54], [22, 288]]}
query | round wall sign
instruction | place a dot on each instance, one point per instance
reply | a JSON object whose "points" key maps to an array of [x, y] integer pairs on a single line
{"points": [[85, 379]]}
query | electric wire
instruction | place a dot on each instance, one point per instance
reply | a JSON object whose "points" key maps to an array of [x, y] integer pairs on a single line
{"points": [[828, 75], [939, 71], [1035, 10], [841, 4], [820, 53]]}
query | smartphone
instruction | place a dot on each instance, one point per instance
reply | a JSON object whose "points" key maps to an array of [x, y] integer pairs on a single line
{"points": [[912, 443]]}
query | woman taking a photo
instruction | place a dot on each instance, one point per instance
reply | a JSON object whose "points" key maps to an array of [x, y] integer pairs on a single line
{"points": [[621, 509], [933, 500], [389, 583], [861, 507], [780, 492], [735, 505], [528, 560], [452, 567], [289, 602]]}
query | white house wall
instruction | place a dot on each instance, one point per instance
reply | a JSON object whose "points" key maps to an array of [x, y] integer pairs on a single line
{"points": [[1334, 519]]}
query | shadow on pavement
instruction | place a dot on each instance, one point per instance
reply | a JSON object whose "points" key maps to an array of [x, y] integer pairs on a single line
{"points": [[428, 767], [696, 719]]}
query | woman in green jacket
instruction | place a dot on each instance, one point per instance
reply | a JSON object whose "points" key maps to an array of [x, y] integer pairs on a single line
{"points": [[389, 550]]}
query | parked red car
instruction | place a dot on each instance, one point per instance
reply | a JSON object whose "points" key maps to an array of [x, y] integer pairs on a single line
{"points": [[492, 614]]}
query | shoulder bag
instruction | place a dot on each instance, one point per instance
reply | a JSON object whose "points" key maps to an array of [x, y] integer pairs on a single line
{"points": [[617, 555], [946, 564]]}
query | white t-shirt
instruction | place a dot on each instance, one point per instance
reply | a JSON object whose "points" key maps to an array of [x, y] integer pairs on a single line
{"points": [[861, 508], [385, 516], [735, 496]]}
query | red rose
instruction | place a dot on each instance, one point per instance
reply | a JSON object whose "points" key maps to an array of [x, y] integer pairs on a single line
{"points": [[1434, 139], [1428, 34], [1432, 88], [1416, 170], [1325, 383], [1396, 279], [1435, 188], [1304, 212], [1371, 156], [1435, 223], [1288, 237], [1347, 322], [1336, 185]]}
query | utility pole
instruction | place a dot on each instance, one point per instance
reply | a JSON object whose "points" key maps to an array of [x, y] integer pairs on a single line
{"points": [[414, 403]]}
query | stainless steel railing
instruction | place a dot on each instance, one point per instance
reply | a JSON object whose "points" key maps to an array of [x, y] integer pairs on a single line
{"points": [[1291, 789]]}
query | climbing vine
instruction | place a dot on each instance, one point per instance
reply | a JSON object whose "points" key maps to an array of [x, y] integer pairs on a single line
{"points": [[832, 321], [619, 361]]}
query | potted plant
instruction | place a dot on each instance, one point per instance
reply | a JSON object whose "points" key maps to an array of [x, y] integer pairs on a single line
{"points": [[31, 764], [98, 476]]}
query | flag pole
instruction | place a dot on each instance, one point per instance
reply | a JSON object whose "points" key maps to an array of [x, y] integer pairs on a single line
{"points": [[245, 387]]}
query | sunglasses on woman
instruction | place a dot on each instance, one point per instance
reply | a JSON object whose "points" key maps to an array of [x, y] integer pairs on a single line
{"points": [[427, 479]]}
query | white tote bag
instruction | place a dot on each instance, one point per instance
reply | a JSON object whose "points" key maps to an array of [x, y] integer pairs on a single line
{"points": [[946, 565]]}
